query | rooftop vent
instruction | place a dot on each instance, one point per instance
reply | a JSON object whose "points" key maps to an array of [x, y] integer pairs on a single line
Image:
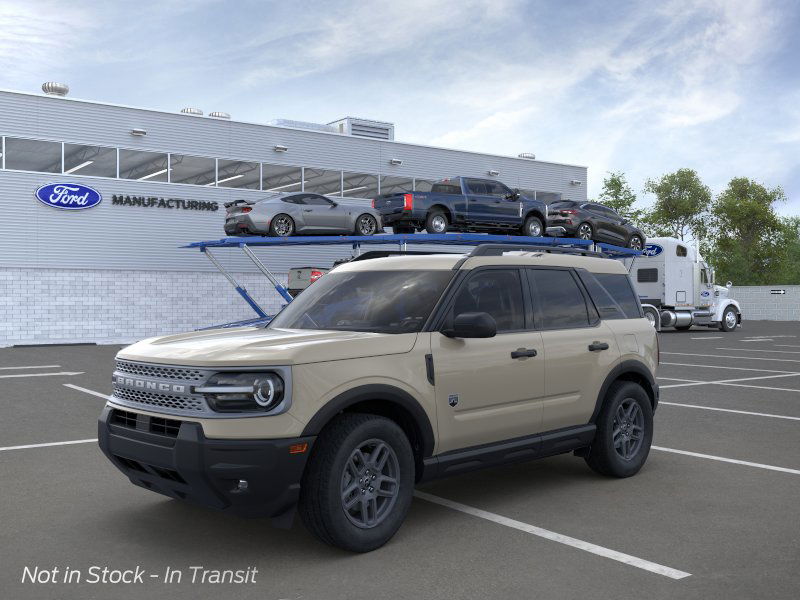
{"points": [[51, 88], [527, 155], [377, 130], [192, 111], [302, 125], [219, 115]]}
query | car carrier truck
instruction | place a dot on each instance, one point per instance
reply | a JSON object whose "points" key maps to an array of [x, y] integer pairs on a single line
{"points": [[676, 288]]}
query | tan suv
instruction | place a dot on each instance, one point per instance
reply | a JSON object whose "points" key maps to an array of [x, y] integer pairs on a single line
{"points": [[385, 373]]}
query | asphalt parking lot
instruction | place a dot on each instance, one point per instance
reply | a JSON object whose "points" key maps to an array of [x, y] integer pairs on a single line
{"points": [[713, 514]]}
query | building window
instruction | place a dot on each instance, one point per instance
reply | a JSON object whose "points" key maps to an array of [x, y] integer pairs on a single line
{"points": [[144, 166], [396, 185], [280, 178], [97, 161], [321, 181], [238, 174], [359, 185], [423, 185], [194, 170], [33, 155]]}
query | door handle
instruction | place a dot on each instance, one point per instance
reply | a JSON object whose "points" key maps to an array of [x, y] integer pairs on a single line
{"points": [[597, 346], [523, 353], [308, 210]]}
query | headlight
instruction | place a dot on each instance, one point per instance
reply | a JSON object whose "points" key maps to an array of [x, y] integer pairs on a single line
{"points": [[243, 392]]}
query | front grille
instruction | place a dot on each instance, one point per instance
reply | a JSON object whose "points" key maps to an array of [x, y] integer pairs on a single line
{"points": [[186, 403], [124, 418], [165, 372]]}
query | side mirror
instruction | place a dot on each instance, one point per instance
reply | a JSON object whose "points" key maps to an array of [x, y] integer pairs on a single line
{"points": [[472, 325], [334, 204]]}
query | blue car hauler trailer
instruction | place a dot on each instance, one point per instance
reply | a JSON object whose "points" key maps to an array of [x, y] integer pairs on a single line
{"points": [[503, 242]]}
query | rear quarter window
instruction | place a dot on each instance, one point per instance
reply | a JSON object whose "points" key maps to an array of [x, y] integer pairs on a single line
{"points": [[612, 294]]}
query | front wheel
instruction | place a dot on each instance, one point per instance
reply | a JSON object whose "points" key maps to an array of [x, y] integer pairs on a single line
{"points": [[585, 231], [281, 226], [358, 484], [533, 227], [624, 431], [635, 243], [729, 320], [366, 225]]}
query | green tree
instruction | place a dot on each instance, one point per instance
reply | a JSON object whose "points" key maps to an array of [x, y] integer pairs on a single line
{"points": [[617, 194], [681, 206], [750, 243]]}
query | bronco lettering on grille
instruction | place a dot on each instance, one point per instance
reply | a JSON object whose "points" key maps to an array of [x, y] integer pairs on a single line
{"points": [[151, 385]]}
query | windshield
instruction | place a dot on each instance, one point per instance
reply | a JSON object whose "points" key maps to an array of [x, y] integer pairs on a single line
{"points": [[376, 301]]}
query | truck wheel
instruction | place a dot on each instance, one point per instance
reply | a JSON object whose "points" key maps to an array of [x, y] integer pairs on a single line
{"points": [[436, 222], [366, 225], [653, 316], [533, 227], [624, 431], [281, 226], [729, 320], [358, 484]]}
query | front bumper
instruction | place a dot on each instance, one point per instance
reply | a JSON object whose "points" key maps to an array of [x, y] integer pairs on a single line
{"points": [[175, 458]]}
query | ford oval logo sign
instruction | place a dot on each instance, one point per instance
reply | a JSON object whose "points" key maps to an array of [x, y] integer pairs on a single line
{"points": [[68, 196], [652, 250]]}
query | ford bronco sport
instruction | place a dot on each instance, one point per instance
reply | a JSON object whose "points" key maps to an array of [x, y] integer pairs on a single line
{"points": [[386, 373]]}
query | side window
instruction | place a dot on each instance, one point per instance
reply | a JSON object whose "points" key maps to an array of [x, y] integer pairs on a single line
{"points": [[647, 275], [704, 276], [681, 251], [476, 186], [619, 287], [497, 292], [606, 305], [300, 199], [495, 188], [560, 300], [315, 200]]}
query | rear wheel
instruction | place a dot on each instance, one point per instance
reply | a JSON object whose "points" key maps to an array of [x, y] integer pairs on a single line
{"points": [[624, 431], [729, 320], [281, 226], [585, 231], [436, 222], [533, 227], [366, 224], [357, 487]]}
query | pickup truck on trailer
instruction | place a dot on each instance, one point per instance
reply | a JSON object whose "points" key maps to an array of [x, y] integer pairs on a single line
{"points": [[463, 204]]}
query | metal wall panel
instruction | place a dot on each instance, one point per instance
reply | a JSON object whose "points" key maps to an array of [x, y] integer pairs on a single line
{"points": [[125, 237]]}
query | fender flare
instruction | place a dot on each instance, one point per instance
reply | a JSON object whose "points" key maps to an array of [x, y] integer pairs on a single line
{"points": [[623, 368], [372, 392], [724, 306]]}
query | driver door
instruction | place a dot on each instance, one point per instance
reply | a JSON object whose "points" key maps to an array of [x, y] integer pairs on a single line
{"points": [[483, 393]]}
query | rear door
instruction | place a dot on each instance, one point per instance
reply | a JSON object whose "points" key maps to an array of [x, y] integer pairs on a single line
{"points": [[484, 393], [579, 349]]}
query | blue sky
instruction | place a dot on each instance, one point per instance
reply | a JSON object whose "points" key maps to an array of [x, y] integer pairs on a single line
{"points": [[641, 87]]}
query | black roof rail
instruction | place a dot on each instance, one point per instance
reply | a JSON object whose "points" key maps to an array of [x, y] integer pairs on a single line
{"points": [[499, 249], [384, 253]]}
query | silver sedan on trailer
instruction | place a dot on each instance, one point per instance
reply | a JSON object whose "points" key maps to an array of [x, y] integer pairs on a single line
{"points": [[300, 213]]}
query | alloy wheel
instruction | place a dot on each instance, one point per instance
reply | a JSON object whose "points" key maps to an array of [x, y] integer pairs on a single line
{"points": [[439, 223], [628, 429], [282, 226], [635, 243], [534, 229], [366, 225], [730, 319], [370, 483], [585, 231]]}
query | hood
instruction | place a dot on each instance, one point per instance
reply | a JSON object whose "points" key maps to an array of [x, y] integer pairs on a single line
{"points": [[720, 291], [252, 346]]}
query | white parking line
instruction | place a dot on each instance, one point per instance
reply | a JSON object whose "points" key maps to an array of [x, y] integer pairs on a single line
{"points": [[41, 374], [31, 367], [556, 537], [761, 387], [737, 357], [710, 337], [691, 382], [727, 460], [787, 345], [69, 443], [730, 410], [754, 350], [80, 389], [723, 367], [759, 340]]}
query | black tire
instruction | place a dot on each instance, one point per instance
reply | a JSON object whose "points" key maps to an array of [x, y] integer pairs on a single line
{"points": [[366, 225], [276, 225], [533, 227], [321, 504], [635, 242], [603, 456], [729, 323], [433, 223], [584, 231], [403, 229]]}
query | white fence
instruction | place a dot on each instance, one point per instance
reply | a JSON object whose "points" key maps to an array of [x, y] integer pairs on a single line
{"points": [[768, 302]]}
